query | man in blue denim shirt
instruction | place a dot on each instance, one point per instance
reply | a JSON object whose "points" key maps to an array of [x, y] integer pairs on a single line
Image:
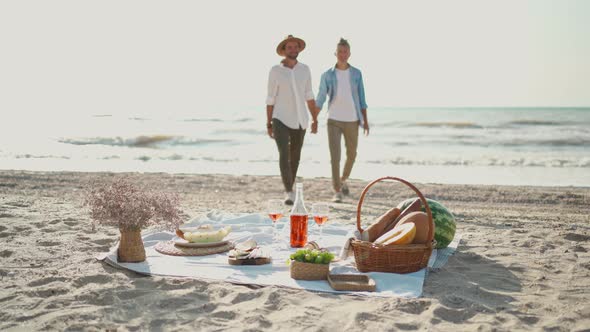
{"points": [[347, 110]]}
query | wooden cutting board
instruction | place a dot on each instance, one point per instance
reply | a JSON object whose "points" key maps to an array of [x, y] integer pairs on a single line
{"points": [[249, 261]]}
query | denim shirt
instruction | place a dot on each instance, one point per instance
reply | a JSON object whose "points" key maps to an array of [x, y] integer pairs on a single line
{"points": [[328, 87]]}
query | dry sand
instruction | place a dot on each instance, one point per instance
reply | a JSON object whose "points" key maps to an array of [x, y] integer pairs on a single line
{"points": [[523, 263]]}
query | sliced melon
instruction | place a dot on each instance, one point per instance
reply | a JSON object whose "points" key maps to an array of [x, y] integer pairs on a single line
{"points": [[404, 234], [202, 236], [420, 219]]}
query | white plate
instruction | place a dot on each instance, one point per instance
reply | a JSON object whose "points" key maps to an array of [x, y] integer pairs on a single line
{"points": [[184, 243]]}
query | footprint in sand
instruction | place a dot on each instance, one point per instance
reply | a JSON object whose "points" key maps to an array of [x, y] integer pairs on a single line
{"points": [[578, 248], [21, 204], [48, 292], [453, 301], [45, 281], [226, 315], [454, 315], [103, 242], [243, 297], [406, 327], [527, 319], [70, 221], [6, 253], [96, 279], [577, 237], [21, 228], [82, 237], [48, 243], [274, 301], [415, 307], [366, 316]]}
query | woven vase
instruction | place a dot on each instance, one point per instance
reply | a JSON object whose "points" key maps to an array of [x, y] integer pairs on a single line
{"points": [[131, 248]]}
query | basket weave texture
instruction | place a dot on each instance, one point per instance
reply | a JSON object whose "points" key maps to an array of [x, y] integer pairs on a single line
{"points": [[309, 271], [131, 248], [371, 257]]}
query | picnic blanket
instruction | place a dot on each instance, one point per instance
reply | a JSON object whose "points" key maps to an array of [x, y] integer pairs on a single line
{"points": [[259, 228]]}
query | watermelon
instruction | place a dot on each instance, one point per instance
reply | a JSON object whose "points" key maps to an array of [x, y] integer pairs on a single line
{"points": [[444, 221]]}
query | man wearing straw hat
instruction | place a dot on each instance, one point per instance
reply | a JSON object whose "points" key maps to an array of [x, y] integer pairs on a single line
{"points": [[289, 90]]}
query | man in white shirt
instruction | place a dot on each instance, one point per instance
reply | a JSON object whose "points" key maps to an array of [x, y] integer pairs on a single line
{"points": [[347, 111], [289, 90]]}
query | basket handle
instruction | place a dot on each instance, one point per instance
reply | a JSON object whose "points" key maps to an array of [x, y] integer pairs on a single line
{"points": [[422, 199]]}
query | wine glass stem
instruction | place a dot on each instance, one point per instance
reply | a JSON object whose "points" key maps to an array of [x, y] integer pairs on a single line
{"points": [[321, 228], [274, 231]]}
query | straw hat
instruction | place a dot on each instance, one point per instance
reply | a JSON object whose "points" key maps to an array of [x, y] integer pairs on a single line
{"points": [[281, 46]]}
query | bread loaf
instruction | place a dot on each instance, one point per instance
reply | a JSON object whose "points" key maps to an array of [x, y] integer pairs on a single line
{"points": [[414, 207], [422, 223], [378, 228]]}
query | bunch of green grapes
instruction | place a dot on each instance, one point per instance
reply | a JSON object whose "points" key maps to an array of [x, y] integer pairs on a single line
{"points": [[312, 256]]}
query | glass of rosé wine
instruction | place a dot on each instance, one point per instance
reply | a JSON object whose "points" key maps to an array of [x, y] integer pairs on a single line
{"points": [[320, 215], [276, 210]]}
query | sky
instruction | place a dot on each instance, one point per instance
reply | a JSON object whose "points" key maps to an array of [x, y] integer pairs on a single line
{"points": [[64, 58]]}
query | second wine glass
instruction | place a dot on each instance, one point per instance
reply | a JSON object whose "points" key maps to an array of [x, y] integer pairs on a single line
{"points": [[276, 210], [320, 215]]}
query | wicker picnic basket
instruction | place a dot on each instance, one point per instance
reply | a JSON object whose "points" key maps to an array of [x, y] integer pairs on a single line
{"points": [[408, 258]]}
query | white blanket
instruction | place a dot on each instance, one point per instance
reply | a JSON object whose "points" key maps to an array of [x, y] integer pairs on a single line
{"points": [[259, 228]]}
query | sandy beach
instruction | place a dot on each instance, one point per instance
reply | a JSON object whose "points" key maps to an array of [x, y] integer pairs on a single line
{"points": [[523, 263]]}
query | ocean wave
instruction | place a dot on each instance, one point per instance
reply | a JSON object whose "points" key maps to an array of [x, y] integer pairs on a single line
{"points": [[139, 141], [32, 156], [199, 141], [143, 141], [562, 142], [244, 131], [215, 159], [458, 125], [486, 142], [240, 120], [203, 120], [537, 123], [173, 157], [508, 162]]}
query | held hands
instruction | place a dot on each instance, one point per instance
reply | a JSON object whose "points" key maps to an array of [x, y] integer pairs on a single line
{"points": [[314, 124], [314, 127]]}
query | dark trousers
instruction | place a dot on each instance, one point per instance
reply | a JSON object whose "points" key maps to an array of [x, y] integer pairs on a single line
{"points": [[289, 142]]}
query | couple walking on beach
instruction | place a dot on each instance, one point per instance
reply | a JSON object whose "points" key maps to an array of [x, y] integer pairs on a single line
{"points": [[290, 91]]}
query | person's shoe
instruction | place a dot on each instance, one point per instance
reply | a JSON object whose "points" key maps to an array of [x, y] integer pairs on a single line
{"points": [[337, 197], [290, 198], [344, 189]]}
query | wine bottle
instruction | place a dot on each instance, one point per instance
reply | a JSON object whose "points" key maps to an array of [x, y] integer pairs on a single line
{"points": [[298, 219]]}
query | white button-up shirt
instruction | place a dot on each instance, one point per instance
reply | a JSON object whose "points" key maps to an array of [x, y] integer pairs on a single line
{"points": [[288, 91]]}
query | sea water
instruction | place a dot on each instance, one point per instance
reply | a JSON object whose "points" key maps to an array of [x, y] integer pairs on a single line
{"points": [[518, 146]]}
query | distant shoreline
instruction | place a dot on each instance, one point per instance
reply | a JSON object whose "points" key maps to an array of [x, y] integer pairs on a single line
{"points": [[13, 172]]}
